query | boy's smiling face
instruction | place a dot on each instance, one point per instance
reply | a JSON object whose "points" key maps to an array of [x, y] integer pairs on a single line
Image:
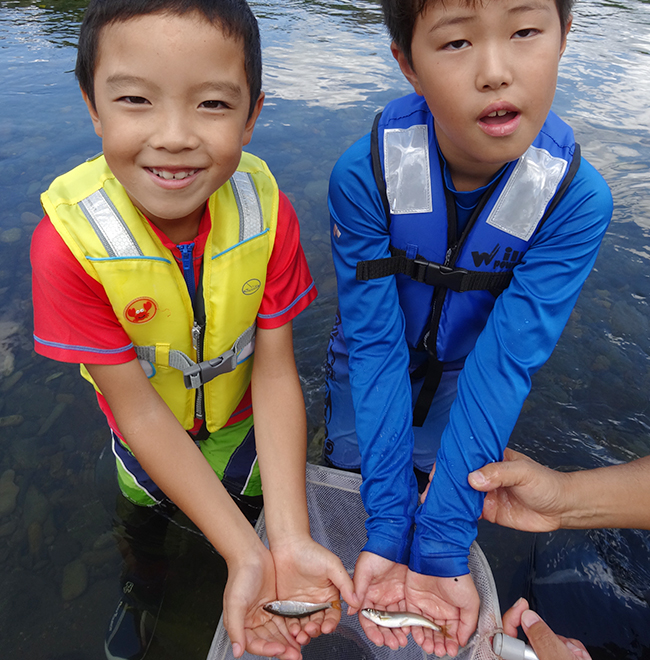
{"points": [[488, 71], [171, 106]]}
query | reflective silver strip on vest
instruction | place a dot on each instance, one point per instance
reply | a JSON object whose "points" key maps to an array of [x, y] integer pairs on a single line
{"points": [[227, 362], [406, 169], [251, 222], [109, 226], [526, 195]]}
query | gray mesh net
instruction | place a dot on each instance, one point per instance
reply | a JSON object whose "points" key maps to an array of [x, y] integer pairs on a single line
{"points": [[337, 518]]}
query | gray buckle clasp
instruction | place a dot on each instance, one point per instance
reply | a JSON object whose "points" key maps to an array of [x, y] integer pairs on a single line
{"points": [[204, 372]]}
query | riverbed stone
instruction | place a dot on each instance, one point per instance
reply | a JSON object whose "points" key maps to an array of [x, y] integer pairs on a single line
{"points": [[8, 493], [29, 218], [65, 549], [12, 235], [11, 420], [8, 383], [8, 528], [75, 580], [36, 507], [57, 411], [35, 539]]}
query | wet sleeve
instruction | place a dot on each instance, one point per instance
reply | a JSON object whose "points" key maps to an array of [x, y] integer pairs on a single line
{"points": [[73, 318], [373, 325], [520, 335], [289, 285]]}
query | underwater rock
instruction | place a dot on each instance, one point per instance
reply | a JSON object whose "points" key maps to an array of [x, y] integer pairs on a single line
{"points": [[8, 383], [601, 363], [36, 507], [7, 330], [628, 321], [105, 540], [97, 558], [11, 420], [35, 539], [28, 218], [75, 580], [8, 528], [57, 411], [12, 235], [8, 493], [64, 549]]}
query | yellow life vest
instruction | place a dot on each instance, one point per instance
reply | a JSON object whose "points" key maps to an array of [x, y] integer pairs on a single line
{"points": [[118, 248]]}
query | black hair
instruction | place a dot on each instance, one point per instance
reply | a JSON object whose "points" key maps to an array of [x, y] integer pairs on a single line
{"points": [[400, 17], [233, 17]]}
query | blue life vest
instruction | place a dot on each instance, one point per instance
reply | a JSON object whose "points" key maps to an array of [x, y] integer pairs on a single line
{"points": [[448, 284]]}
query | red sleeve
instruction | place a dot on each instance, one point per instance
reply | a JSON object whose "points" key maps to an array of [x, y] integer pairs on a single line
{"points": [[289, 285], [73, 318]]}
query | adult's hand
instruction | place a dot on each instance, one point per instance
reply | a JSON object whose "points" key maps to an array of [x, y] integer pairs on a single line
{"points": [[251, 584], [379, 584], [306, 571], [451, 602], [546, 644], [521, 493]]}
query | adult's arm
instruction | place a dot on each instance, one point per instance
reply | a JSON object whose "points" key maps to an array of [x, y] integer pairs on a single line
{"points": [[520, 335], [525, 495]]}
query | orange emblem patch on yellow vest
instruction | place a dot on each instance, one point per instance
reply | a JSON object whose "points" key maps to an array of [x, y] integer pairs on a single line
{"points": [[140, 310]]}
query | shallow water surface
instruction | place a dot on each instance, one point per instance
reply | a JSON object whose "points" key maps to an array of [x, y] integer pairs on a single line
{"points": [[328, 70]]}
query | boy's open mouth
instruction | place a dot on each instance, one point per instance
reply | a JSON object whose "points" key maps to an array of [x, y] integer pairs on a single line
{"points": [[498, 117], [168, 174]]}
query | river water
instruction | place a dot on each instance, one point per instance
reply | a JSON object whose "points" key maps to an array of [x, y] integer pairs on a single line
{"points": [[328, 70]]}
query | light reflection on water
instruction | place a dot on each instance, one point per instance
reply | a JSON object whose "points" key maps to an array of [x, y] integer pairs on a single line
{"points": [[328, 69]]}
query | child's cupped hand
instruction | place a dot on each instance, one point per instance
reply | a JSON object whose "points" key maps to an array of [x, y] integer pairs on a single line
{"points": [[308, 572], [251, 584]]}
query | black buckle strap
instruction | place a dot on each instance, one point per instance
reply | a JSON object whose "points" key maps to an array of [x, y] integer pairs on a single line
{"points": [[203, 372], [433, 274], [438, 275]]}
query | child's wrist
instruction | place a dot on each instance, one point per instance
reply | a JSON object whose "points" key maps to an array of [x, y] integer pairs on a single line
{"points": [[251, 553], [287, 542]]}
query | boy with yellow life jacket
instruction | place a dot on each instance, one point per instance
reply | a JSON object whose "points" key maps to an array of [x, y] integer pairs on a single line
{"points": [[170, 267]]}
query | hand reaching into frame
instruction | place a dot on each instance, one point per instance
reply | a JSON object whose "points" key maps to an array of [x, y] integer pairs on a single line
{"points": [[546, 644]]}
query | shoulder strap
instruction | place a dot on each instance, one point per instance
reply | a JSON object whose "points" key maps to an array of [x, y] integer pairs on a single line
{"points": [[377, 169], [566, 182]]}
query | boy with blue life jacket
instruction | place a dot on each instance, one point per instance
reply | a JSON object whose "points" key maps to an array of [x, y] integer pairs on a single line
{"points": [[463, 228], [170, 267]]}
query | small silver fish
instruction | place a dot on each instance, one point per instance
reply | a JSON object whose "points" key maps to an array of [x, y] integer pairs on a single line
{"points": [[401, 620], [297, 609]]}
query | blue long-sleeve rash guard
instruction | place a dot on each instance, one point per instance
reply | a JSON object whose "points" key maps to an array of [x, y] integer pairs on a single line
{"points": [[520, 335]]}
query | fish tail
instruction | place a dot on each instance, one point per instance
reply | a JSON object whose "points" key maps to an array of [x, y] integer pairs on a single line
{"points": [[335, 604], [445, 633]]}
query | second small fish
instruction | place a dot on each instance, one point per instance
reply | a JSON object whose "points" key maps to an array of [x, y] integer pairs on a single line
{"points": [[401, 620], [297, 609]]}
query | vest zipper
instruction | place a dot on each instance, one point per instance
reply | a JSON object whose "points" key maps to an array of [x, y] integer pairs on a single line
{"points": [[198, 327], [197, 342], [187, 256]]}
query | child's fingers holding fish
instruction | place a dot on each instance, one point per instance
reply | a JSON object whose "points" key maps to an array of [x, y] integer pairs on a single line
{"points": [[382, 626], [306, 620], [263, 640]]}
